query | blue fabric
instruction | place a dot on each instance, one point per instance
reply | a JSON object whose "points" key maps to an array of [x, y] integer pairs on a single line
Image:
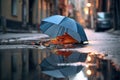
{"points": [[69, 23], [44, 26], [49, 64], [57, 25], [54, 73], [81, 32], [56, 19]]}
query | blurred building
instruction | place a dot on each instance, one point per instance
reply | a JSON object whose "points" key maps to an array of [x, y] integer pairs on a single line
{"points": [[115, 9], [63, 7], [78, 10], [23, 14], [26, 15], [111, 6]]}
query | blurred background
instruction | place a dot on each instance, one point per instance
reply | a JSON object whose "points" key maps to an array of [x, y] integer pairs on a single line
{"points": [[19, 60], [26, 15]]}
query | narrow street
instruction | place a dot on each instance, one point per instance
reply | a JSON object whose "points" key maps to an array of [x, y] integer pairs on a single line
{"points": [[59, 40], [104, 42], [17, 61]]}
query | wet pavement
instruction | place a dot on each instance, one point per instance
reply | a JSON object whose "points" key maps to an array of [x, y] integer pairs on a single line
{"points": [[21, 62], [106, 43]]}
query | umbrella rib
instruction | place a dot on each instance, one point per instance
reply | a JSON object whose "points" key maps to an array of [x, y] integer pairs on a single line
{"points": [[60, 23], [48, 27], [58, 29], [62, 20]]}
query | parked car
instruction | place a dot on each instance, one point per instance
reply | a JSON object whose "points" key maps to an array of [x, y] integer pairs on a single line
{"points": [[103, 21]]}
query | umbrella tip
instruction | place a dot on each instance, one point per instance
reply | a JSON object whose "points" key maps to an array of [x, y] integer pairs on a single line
{"points": [[85, 42]]}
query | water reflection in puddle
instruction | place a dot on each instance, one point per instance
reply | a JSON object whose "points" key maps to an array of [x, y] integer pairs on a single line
{"points": [[79, 76], [62, 65], [24, 64]]}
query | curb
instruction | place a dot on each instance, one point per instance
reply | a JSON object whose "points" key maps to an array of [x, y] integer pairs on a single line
{"points": [[115, 32], [19, 31]]}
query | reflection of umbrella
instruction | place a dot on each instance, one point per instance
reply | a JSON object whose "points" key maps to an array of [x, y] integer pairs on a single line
{"points": [[50, 66], [57, 25], [64, 53]]}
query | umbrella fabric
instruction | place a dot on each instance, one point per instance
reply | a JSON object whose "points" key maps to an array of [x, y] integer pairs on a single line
{"points": [[50, 66], [64, 72], [57, 25]]}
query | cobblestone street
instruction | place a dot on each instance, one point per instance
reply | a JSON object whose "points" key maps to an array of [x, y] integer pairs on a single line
{"points": [[105, 42], [99, 42]]}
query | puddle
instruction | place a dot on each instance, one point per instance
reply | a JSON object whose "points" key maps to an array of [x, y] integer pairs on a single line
{"points": [[40, 64]]}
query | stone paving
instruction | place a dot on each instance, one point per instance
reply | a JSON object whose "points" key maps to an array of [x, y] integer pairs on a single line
{"points": [[106, 43], [99, 42]]}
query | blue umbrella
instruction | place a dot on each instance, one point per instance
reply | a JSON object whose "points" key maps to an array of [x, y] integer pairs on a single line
{"points": [[50, 66], [57, 25]]}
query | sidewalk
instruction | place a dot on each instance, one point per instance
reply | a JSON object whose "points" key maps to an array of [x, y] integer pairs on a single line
{"points": [[18, 31], [116, 32], [20, 38], [105, 43]]}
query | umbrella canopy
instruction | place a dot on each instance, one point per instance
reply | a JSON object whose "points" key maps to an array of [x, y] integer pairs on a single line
{"points": [[57, 25], [50, 65]]}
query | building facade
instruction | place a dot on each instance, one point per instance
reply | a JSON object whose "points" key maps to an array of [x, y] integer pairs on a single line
{"points": [[25, 15], [111, 6], [78, 11], [115, 9]]}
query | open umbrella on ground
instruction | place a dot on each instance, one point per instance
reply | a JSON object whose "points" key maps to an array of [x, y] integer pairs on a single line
{"points": [[57, 25], [50, 65]]}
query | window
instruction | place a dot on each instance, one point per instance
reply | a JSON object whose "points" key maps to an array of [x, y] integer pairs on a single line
{"points": [[14, 7]]}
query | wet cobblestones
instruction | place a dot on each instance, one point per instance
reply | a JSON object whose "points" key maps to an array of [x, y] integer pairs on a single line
{"points": [[103, 43]]}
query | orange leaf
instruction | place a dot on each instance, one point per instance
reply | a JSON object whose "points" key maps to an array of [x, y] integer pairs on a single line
{"points": [[64, 39]]}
